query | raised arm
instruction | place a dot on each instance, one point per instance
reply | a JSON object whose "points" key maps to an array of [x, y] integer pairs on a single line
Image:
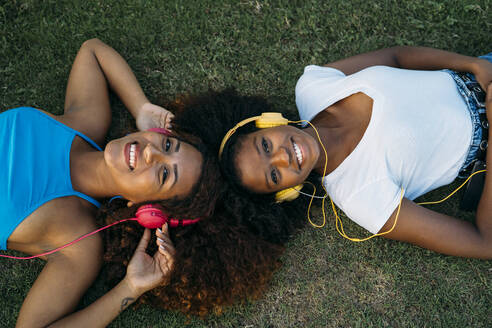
{"points": [[445, 234], [420, 58], [47, 305], [87, 101]]}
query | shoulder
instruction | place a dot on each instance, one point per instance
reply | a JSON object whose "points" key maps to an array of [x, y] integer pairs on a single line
{"points": [[56, 223], [314, 75], [316, 88]]}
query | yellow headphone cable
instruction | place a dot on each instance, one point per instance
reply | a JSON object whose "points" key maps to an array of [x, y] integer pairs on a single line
{"points": [[337, 218], [269, 120]]}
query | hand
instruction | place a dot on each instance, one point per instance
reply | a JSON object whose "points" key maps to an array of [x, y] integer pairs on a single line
{"points": [[488, 102], [483, 72], [146, 272], [153, 116]]}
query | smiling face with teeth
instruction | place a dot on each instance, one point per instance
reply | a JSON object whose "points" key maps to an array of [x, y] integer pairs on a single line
{"points": [[148, 166], [274, 159]]}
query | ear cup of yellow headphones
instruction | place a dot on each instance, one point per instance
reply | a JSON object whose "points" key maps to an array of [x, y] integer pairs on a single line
{"points": [[288, 194], [270, 120]]}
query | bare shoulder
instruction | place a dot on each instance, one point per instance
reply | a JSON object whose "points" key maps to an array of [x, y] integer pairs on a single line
{"points": [[55, 223]]}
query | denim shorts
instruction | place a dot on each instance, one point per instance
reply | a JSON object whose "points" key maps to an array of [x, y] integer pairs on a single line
{"points": [[465, 82]]}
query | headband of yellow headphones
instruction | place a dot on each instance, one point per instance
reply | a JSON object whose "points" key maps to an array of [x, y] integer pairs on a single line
{"points": [[265, 120]]}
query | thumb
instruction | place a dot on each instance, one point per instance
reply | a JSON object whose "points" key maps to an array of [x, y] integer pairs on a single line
{"points": [[144, 241]]}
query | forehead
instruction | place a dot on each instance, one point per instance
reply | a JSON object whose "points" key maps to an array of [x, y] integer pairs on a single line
{"points": [[249, 166]]}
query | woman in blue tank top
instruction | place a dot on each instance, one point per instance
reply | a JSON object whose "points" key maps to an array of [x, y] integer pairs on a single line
{"points": [[56, 173]]}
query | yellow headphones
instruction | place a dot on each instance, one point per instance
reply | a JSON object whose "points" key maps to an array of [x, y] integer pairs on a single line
{"points": [[266, 120]]}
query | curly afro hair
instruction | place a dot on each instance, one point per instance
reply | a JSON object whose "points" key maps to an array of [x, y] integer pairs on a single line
{"points": [[210, 116]]}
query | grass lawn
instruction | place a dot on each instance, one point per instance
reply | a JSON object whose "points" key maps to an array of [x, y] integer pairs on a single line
{"points": [[260, 47]]}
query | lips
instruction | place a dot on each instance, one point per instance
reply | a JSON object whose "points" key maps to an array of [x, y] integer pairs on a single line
{"points": [[131, 154], [298, 152]]}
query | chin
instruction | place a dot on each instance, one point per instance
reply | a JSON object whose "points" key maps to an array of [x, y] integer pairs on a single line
{"points": [[109, 155]]}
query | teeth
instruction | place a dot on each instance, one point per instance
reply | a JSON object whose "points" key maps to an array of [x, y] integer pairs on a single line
{"points": [[298, 153], [132, 156]]}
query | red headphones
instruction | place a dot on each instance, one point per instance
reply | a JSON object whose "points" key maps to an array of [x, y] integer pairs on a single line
{"points": [[151, 216]]}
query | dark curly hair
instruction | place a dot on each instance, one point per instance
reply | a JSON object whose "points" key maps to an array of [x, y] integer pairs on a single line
{"points": [[217, 263], [210, 116], [231, 255]]}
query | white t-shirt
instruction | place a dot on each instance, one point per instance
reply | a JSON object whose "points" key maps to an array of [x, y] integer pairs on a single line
{"points": [[417, 139]]}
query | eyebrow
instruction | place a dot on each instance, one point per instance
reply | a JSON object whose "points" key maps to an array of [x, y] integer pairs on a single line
{"points": [[175, 167], [255, 143], [178, 144]]}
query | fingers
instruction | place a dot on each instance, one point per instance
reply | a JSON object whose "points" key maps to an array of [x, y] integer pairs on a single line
{"points": [[167, 119], [164, 241], [166, 251], [144, 241], [488, 102]]}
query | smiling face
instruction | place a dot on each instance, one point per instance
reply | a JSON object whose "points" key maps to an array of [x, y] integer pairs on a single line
{"points": [[148, 166], [273, 159]]}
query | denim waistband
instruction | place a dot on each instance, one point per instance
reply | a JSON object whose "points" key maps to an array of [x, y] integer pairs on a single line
{"points": [[474, 97]]}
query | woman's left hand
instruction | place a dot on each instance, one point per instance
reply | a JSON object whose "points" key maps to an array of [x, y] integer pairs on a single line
{"points": [[153, 116], [483, 72], [146, 272]]}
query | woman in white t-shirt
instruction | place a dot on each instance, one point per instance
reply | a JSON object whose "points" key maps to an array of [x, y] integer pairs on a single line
{"points": [[395, 126]]}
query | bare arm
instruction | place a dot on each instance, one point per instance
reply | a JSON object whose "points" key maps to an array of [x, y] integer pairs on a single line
{"points": [[48, 303], [445, 234], [420, 58], [87, 100]]}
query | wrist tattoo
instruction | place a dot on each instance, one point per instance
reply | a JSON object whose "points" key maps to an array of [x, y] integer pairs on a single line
{"points": [[126, 302]]}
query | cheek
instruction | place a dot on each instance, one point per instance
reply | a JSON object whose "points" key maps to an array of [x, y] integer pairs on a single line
{"points": [[140, 186]]}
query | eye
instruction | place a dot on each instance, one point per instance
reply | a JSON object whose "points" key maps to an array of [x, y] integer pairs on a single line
{"points": [[264, 145], [167, 145], [165, 173], [274, 176]]}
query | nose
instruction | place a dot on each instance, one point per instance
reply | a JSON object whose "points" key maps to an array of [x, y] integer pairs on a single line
{"points": [[281, 158], [151, 154]]}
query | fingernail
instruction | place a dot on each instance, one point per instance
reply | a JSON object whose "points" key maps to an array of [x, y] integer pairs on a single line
{"points": [[161, 240], [159, 229], [162, 247]]}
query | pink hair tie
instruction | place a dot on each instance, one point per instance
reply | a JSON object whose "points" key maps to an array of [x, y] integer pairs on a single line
{"points": [[161, 131]]}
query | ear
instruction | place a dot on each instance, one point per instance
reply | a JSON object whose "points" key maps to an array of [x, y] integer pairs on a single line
{"points": [[130, 203]]}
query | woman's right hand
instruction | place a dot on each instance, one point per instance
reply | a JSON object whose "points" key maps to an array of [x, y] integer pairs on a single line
{"points": [[146, 272], [483, 72], [488, 102], [152, 116]]}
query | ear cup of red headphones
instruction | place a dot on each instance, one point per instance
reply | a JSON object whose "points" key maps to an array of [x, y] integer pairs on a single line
{"points": [[151, 216]]}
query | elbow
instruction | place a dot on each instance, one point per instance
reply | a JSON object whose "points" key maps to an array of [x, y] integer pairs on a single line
{"points": [[397, 53], [89, 44]]}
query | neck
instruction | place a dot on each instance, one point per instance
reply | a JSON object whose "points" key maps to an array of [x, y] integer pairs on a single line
{"points": [[333, 133], [89, 174]]}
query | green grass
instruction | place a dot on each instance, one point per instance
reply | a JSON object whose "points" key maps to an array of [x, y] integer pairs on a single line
{"points": [[260, 47]]}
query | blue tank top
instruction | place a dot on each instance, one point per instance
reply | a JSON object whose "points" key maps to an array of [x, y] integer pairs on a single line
{"points": [[35, 167]]}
